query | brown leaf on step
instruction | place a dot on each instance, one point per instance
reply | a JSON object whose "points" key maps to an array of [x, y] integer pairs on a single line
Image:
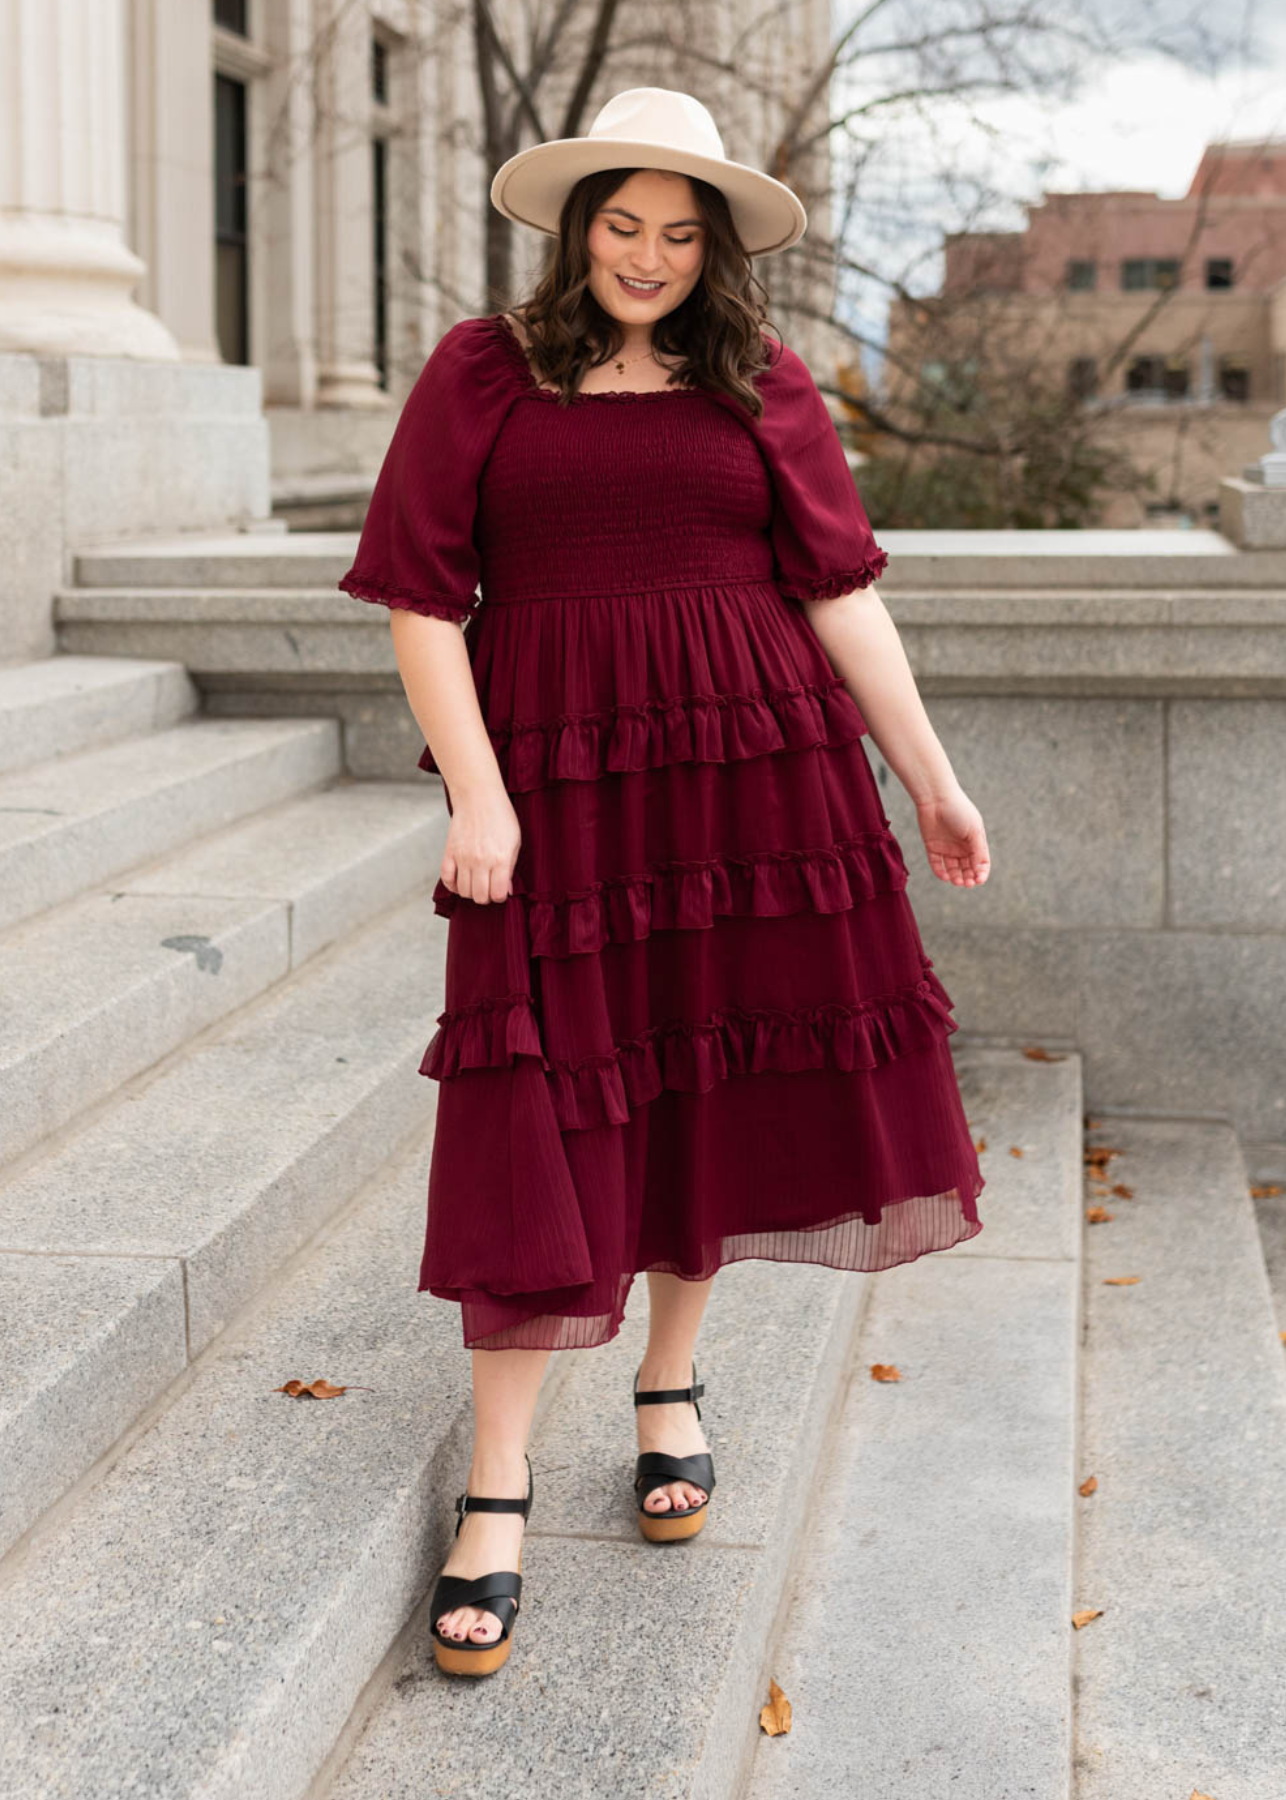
{"points": [[1038, 1054], [1121, 1280], [775, 1716], [981, 1145], [1088, 1486], [1016, 1150], [1122, 1192], [1092, 1124], [885, 1372], [1282, 1336], [1098, 1154], [1085, 1615], [319, 1389], [1194, 1795], [1265, 1190], [1099, 1215]]}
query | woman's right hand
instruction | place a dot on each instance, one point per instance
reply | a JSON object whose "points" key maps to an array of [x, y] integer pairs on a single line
{"points": [[482, 847]]}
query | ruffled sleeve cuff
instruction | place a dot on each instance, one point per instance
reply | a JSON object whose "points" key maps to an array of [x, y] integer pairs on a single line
{"points": [[416, 551], [823, 545]]}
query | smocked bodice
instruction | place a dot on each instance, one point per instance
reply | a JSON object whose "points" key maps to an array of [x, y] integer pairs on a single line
{"points": [[619, 493]]}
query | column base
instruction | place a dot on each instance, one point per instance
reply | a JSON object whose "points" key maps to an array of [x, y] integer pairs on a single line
{"points": [[65, 288]]}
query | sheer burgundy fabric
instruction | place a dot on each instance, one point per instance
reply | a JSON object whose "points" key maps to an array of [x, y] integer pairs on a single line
{"points": [[704, 1026]]}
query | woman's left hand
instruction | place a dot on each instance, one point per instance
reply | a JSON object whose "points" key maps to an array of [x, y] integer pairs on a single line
{"points": [[954, 839]]}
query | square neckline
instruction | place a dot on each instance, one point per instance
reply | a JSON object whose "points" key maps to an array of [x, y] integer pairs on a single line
{"points": [[509, 337]]}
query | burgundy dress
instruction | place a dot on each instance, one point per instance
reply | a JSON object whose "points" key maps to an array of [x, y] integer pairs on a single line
{"points": [[703, 1026]]}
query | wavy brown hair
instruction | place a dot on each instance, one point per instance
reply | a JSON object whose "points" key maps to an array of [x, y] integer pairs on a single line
{"points": [[717, 330]]}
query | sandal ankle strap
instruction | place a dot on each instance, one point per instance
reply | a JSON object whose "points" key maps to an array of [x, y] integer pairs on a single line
{"points": [[665, 1396], [468, 1502]]}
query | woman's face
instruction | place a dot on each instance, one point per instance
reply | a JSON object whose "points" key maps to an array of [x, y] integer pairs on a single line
{"points": [[650, 228]]}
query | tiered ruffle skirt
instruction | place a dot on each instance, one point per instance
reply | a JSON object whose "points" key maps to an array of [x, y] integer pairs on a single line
{"points": [[703, 1026]]}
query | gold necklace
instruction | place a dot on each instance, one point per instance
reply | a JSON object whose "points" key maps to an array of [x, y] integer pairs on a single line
{"points": [[622, 366]]}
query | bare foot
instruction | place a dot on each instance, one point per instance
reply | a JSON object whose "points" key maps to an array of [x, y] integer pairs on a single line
{"points": [[671, 1426]]}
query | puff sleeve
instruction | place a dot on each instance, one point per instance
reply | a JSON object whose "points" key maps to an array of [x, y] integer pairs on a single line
{"points": [[417, 550], [822, 541]]}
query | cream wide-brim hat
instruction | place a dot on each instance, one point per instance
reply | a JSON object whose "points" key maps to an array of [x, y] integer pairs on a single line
{"points": [[649, 128]]}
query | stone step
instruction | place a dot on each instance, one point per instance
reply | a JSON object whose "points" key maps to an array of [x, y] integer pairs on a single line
{"points": [[98, 990], [294, 559], [925, 1646], [62, 704], [126, 1251], [999, 560], [1183, 1544], [640, 1668], [202, 1618], [74, 821]]}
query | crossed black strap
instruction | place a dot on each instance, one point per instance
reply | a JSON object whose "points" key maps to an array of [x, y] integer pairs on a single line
{"points": [[500, 1591], [656, 1468]]}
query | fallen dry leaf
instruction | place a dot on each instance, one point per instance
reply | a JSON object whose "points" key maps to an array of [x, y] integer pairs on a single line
{"points": [[1099, 1215], [1092, 1124], [775, 1716], [981, 1145], [1122, 1192], [1088, 1486], [1037, 1054], [885, 1372], [1084, 1617], [1101, 1153], [1265, 1190], [1121, 1280], [319, 1389], [1194, 1795], [1016, 1150]]}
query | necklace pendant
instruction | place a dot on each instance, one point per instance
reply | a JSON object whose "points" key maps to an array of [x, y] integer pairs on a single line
{"points": [[620, 368]]}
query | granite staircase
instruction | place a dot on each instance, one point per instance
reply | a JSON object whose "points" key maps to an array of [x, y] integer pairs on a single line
{"points": [[219, 966]]}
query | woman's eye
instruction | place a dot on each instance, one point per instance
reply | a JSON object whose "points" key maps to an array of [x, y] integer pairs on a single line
{"points": [[617, 232]]}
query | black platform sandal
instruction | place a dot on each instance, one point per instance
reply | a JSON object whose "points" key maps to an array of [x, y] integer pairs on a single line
{"points": [[498, 1593], [656, 1468]]}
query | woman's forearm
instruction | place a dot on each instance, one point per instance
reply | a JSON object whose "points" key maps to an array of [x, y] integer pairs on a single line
{"points": [[863, 644], [433, 661]]}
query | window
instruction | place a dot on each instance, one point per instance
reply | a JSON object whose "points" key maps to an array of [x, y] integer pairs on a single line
{"points": [[1082, 277], [379, 247], [379, 71], [1141, 272], [1175, 382], [1143, 375], [231, 14], [1219, 271], [1234, 378], [1158, 377], [231, 257], [1082, 377]]}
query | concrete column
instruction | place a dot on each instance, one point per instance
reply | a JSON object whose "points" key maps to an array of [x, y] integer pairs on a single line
{"points": [[66, 275], [283, 218], [172, 157], [347, 376]]}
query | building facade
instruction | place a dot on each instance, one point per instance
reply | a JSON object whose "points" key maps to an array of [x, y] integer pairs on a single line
{"points": [[1166, 318]]}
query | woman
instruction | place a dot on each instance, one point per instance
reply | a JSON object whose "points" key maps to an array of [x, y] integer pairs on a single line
{"points": [[689, 1018]]}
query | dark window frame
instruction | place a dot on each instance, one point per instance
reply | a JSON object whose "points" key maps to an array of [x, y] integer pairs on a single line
{"points": [[231, 218], [1147, 270], [232, 15], [1082, 275]]}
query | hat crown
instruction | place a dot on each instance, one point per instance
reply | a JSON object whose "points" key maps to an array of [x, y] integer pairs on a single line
{"points": [[662, 116]]}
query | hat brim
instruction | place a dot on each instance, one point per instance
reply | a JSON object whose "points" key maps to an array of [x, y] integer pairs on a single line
{"points": [[530, 187]]}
